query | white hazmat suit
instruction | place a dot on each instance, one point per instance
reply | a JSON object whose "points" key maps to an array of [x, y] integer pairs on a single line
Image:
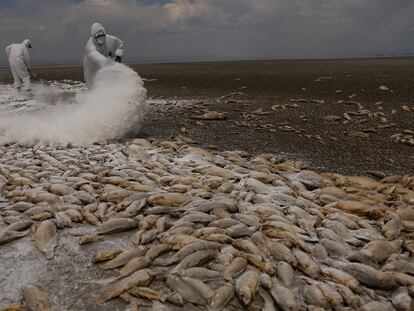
{"points": [[99, 55], [19, 60]]}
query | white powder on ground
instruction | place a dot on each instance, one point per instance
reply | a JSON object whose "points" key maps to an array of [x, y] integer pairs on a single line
{"points": [[110, 110]]}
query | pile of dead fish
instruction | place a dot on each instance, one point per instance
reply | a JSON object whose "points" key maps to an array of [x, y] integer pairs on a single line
{"points": [[214, 231]]}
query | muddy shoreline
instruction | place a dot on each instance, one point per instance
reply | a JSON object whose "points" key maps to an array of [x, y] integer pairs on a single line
{"points": [[307, 110]]}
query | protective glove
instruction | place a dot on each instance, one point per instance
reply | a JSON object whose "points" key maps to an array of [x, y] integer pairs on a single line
{"points": [[118, 59]]}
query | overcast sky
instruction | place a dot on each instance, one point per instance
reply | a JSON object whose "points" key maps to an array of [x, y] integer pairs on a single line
{"points": [[174, 30]]}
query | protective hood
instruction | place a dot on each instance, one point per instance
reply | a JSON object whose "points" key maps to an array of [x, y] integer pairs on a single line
{"points": [[97, 30], [27, 43]]}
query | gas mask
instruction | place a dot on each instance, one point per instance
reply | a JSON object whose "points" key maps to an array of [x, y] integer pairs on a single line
{"points": [[100, 40]]}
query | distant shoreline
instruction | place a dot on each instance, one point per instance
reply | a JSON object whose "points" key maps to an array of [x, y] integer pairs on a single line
{"points": [[134, 63]]}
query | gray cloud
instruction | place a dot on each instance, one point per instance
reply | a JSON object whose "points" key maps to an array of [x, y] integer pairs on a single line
{"points": [[205, 29]]}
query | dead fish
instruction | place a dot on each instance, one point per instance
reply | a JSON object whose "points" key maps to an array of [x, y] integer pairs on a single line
{"points": [[185, 251], [62, 220], [370, 277], [220, 213], [377, 251], [101, 210], [240, 231], [89, 238], [156, 251], [158, 210], [399, 266], [367, 235], [60, 189], [36, 299], [149, 236], [402, 301], [285, 274], [202, 274], [282, 253], [401, 278], [246, 286], [38, 209], [217, 171], [268, 302], [20, 225], [189, 293], [325, 233], [14, 307], [168, 199], [308, 227], [200, 286], [124, 258], [194, 260], [46, 238], [7, 236], [37, 196], [220, 238], [249, 220], [283, 235], [198, 217], [334, 298], [224, 223], [392, 228], [226, 255], [259, 262], [336, 249], [237, 266], [106, 254], [306, 264], [41, 217], [221, 297], [148, 222], [314, 296], [178, 241], [116, 225], [360, 209], [176, 299], [284, 298], [139, 278], [246, 246], [266, 281], [341, 277], [21, 206], [339, 228], [116, 196], [319, 252], [10, 213], [377, 306], [146, 292], [352, 300], [134, 208], [135, 264], [90, 218]]}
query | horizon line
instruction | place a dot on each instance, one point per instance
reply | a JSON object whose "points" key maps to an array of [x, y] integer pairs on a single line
{"points": [[42, 64]]}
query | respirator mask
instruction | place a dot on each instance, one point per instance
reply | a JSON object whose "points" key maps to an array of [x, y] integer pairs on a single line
{"points": [[100, 40]]}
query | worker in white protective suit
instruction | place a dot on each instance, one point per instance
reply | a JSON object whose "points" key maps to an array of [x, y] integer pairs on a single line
{"points": [[19, 59], [101, 50]]}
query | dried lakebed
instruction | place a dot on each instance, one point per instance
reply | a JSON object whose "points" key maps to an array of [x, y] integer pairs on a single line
{"points": [[162, 225]]}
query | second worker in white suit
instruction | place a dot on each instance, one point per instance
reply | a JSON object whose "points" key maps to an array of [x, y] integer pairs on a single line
{"points": [[19, 60], [100, 51]]}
